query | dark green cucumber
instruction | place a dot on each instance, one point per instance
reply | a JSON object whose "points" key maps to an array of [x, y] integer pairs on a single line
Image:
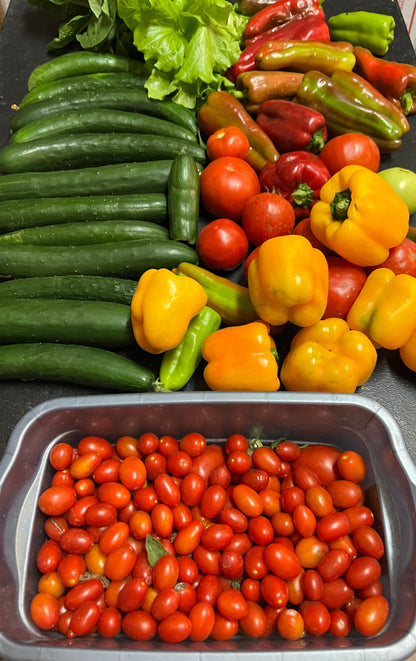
{"points": [[118, 98], [97, 323], [77, 234], [103, 120], [71, 363], [115, 179], [87, 81], [80, 63], [183, 199], [19, 214], [123, 259], [75, 150], [78, 287]]}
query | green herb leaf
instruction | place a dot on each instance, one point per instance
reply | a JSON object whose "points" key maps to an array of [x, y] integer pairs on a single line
{"points": [[154, 549]]}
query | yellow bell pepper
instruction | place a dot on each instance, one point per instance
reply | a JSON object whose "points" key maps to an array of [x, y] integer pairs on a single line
{"points": [[359, 216], [288, 281], [162, 307], [328, 357], [408, 352], [385, 308], [241, 358]]}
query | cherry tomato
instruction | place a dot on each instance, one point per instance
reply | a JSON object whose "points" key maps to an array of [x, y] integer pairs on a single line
{"points": [[139, 625], [120, 562], [55, 526], [70, 569], [212, 502], [175, 628], [255, 622], [290, 624], [291, 498], [109, 622], [114, 493], [239, 462], [57, 500], [95, 444], [313, 585], [44, 610], [282, 561], [126, 446], [162, 520], [76, 540], [352, 466], [340, 623], [227, 183], [345, 493], [350, 149], [282, 523], [368, 542], [260, 530], [371, 615], [60, 456], [266, 459], [193, 444], [316, 617], [231, 604], [231, 564], [234, 518], [304, 520], [132, 594], [140, 524], [165, 572], [107, 471], [132, 473], [322, 459], [217, 536], [255, 478], [266, 216], [247, 500], [147, 443], [85, 465], [332, 526], [345, 283], [363, 571], [228, 141], [334, 564], [336, 593], [359, 515], [87, 590], [310, 550], [254, 563], [113, 537], [188, 538], [205, 463], [49, 556], [52, 584], [100, 514], [167, 490], [274, 590], [222, 244]]}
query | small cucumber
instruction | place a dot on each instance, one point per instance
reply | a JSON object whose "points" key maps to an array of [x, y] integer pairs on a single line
{"points": [[79, 287], [76, 234], [19, 214], [97, 323], [183, 199], [71, 363], [66, 152], [80, 63]]}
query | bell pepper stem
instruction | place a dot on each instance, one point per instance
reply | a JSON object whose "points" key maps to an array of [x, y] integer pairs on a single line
{"points": [[340, 204]]}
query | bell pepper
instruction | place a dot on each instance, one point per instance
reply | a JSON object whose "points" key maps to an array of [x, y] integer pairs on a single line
{"points": [[251, 7], [275, 14], [179, 364], [363, 28], [303, 56], [396, 80], [344, 114], [385, 308], [359, 217], [292, 127], [231, 300], [222, 109], [328, 357], [288, 281], [241, 358], [258, 86], [162, 307], [298, 176], [303, 27], [408, 352]]}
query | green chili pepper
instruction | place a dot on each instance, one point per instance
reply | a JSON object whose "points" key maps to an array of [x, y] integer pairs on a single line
{"points": [[363, 28], [179, 364]]}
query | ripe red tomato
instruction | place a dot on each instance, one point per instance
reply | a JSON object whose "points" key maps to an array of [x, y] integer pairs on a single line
{"points": [[274, 590], [267, 215], [350, 149], [345, 283], [87, 590], [228, 141], [61, 456], [363, 571], [109, 622], [95, 444], [334, 564], [371, 615], [227, 183], [139, 625], [322, 459], [316, 617], [368, 542], [290, 624], [175, 628], [401, 259], [222, 244], [255, 622], [282, 561], [44, 610], [202, 617], [57, 500], [231, 604], [345, 493], [352, 466]]}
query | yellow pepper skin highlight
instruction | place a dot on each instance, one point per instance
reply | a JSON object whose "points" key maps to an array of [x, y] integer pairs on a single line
{"points": [[359, 217], [328, 357], [162, 307], [408, 352], [385, 308]]}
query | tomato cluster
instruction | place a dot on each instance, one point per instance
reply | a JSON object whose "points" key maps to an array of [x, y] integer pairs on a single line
{"points": [[184, 539]]}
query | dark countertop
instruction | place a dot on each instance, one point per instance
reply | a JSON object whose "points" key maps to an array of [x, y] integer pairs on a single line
{"points": [[23, 38]]}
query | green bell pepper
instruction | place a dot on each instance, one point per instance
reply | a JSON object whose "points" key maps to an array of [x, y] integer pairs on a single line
{"points": [[363, 28]]}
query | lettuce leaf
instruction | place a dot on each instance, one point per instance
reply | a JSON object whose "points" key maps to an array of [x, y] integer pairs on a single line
{"points": [[187, 44]]}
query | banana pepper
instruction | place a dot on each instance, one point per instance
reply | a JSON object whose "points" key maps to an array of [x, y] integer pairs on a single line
{"points": [[358, 217], [162, 307], [288, 281], [328, 357], [241, 358], [385, 308]]}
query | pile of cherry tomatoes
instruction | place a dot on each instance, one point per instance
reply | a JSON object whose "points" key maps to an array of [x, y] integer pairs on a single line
{"points": [[180, 539]]}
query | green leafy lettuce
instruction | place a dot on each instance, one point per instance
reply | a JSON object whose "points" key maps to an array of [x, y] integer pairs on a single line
{"points": [[187, 44]]}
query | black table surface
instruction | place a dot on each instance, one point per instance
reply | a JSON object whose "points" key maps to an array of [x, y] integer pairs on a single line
{"points": [[23, 38]]}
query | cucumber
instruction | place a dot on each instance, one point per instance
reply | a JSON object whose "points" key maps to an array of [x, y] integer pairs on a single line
{"points": [[88, 366], [66, 152], [97, 323], [80, 63], [76, 234], [183, 199], [79, 287], [117, 179], [19, 214], [118, 98], [117, 259], [87, 81], [103, 120]]}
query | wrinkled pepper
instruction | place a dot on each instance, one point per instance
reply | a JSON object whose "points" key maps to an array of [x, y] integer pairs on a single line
{"points": [[275, 14], [396, 80], [241, 358], [292, 127], [179, 364], [344, 114], [359, 217], [328, 357], [231, 300], [288, 281], [385, 308], [162, 307], [363, 28], [222, 109], [298, 176], [408, 352], [303, 56], [258, 86]]}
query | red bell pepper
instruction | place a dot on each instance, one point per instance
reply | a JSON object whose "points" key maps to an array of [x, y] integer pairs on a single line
{"points": [[298, 176], [275, 14], [291, 126]]}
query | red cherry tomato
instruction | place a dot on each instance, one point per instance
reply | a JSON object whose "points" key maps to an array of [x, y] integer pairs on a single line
{"points": [[282, 561], [266, 216], [139, 625], [255, 622], [290, 624], [95, 444], [371, 615], [227, 183], [228, 141], [61, 456], [222, 244], [57, 500], [175, 628], [316, 617], [350, 149], [44, 610]]}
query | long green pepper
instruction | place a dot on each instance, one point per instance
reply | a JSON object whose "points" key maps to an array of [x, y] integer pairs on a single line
{"points": [[363, 28]]}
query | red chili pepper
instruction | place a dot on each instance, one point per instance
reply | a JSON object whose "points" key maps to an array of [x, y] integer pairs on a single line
{"points": [[275, 14], [298, 176], [291, 126]]}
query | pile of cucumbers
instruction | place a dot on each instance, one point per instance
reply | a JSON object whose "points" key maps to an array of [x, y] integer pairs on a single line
{"points": [[98, 184]]}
